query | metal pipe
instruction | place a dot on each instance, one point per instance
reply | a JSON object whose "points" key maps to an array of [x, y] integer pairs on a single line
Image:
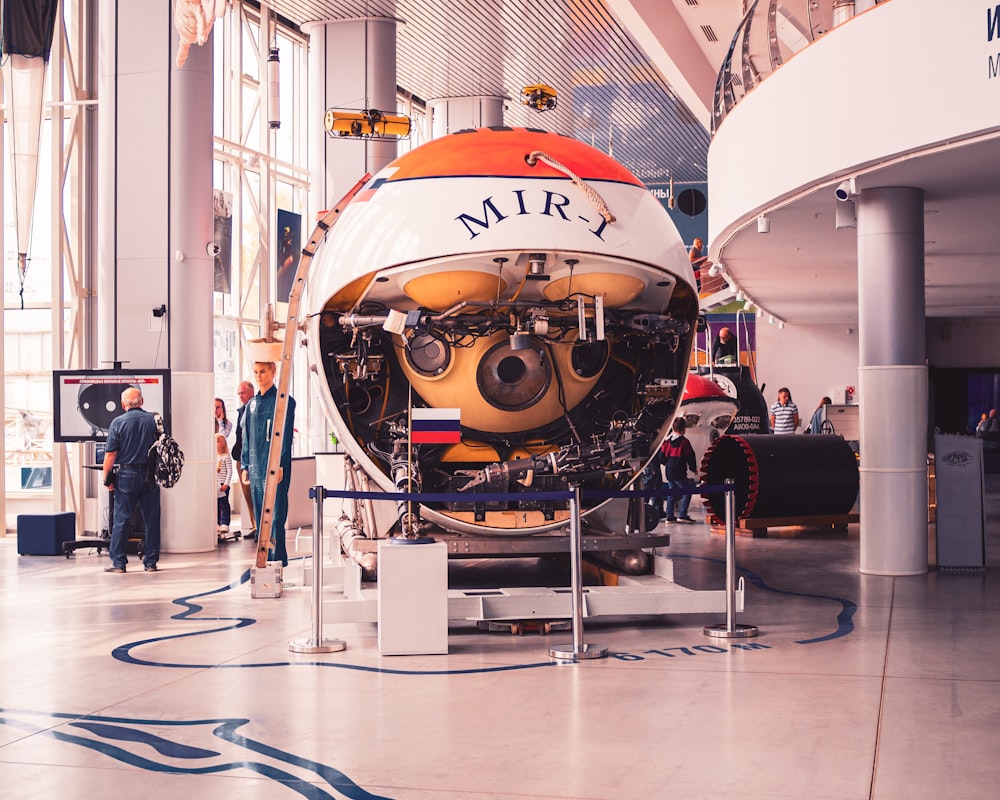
{"points": [[316, 643], [730, 555], [317, 563], [576, 576], [578, 649], [730, 630], [350, 537]]}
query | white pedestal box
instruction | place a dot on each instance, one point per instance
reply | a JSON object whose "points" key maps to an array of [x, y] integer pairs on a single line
{"points": [[412, 599]]}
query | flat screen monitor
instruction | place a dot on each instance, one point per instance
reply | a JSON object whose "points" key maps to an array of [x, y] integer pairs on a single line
{"points": [[85, 401]]}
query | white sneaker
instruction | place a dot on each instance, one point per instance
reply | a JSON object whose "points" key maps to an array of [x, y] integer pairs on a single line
{"points": [[223, 529]]}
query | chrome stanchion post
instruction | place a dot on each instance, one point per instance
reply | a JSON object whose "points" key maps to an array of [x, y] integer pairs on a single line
{"points": [[731, 630], [579, 649], [316, 643]]}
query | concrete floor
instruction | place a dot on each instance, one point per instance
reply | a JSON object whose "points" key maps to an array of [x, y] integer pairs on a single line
{"points": [[179, 684]]}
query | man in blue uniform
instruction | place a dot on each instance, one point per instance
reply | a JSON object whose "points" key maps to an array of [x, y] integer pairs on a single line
{"points": [[257, 423], [129, 439]]}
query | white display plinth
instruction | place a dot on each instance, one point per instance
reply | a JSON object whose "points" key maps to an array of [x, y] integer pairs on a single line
{"points": [[412, 599]]}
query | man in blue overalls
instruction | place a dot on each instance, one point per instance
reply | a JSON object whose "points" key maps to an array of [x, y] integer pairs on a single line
{"points": [[129, 439], [257, 423]]}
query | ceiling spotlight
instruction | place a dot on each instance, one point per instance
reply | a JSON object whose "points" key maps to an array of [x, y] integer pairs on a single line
{"points": [[781, 325], [763, 224], [539, 96], [740, 296], [760, 313], [748, 305], [770, 319], [715, 270]]}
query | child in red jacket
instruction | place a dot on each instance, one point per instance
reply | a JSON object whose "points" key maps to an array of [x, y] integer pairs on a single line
{"points": [[678, 457]]}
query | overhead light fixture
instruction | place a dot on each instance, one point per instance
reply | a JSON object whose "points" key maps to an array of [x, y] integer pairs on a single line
{"points": [[748, 305], [536, 267], [369, 123], [770, 319], [781, 324], [763, 224], [273, 107], [539, 96], [760, 313], [715, 270]]}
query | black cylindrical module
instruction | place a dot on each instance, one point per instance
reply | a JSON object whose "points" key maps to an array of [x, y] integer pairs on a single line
{"points": [[782, 476]]}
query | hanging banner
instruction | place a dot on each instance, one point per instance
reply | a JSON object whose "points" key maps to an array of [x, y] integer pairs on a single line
{"points": [[222, 203], [289, 250]]}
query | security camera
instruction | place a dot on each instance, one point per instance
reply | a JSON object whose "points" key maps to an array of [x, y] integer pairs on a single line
{"points": [[845, 190], [212, 249]]}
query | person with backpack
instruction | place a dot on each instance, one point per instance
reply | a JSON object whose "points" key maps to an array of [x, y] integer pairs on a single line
{"points": [[126, 474], [678, 457]]}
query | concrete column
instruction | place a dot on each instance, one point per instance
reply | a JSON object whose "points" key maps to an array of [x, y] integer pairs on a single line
{"points": [[352, 65], [450, 114], [155, 223], [892, 381]]}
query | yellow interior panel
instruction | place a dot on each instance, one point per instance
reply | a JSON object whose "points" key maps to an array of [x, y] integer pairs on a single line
{"points": [[618, 290], [441, 290]]}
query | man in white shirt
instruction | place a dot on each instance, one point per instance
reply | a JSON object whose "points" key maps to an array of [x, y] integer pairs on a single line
{"points": [[784, 413]]}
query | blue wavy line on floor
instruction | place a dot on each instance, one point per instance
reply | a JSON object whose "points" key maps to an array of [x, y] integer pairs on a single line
{"points": [[129, 741], [104, 733], [123, 653], [845, 619]]}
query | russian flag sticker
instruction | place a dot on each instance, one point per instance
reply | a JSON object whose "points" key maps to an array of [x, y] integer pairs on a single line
{"points": [[435, 425]]}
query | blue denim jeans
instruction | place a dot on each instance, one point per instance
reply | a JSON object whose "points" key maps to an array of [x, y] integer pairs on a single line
{"points": [[131, 490], [278, 551], [223, 512], [681, 502]]}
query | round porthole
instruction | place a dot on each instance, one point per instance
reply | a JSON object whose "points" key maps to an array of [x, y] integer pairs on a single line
{"points": [[512, 380], [691, 202], [428, 354]]}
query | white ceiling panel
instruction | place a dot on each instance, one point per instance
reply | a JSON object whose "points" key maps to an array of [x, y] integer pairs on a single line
{"points": [[609, 94]]}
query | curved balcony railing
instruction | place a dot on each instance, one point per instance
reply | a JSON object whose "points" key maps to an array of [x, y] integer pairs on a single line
{"points": [[770, 33]]}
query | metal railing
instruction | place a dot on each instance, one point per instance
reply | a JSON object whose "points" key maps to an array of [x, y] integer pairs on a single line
{"points": [[575, 650], [770, 33]]}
